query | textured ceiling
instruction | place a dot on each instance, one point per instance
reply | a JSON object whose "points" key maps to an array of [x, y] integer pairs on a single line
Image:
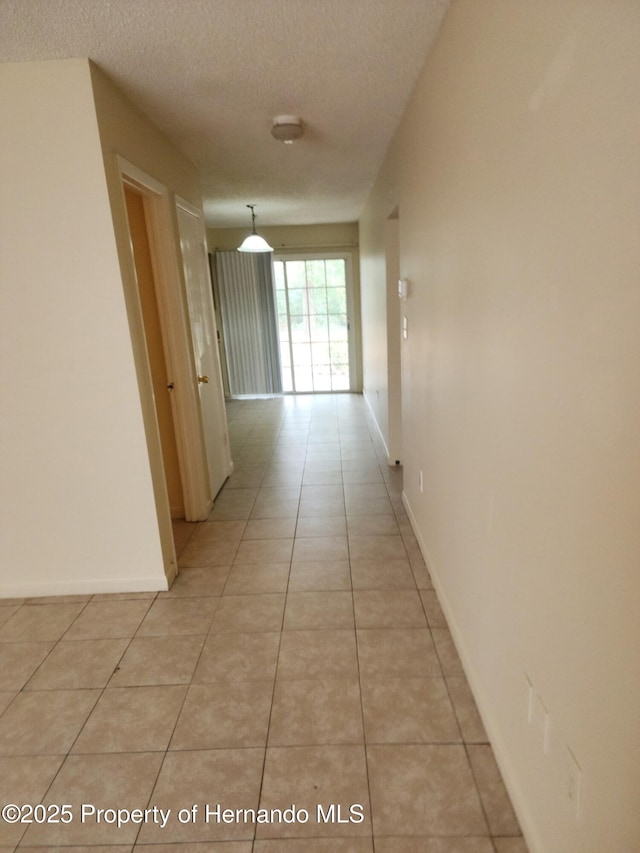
{"points": [[213, 73]]}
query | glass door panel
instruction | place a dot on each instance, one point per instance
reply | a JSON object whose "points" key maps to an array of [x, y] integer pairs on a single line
{"points": [[313, 317]]}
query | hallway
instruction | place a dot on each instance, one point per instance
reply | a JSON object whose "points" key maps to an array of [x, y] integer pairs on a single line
{"points": [[301, 658]]}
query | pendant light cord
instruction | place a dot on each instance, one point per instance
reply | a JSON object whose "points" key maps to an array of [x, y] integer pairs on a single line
{"points": [[253, 217]]}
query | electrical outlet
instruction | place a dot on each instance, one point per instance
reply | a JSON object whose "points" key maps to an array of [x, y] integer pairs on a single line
{"points": [[573, 782], [420, 481]]}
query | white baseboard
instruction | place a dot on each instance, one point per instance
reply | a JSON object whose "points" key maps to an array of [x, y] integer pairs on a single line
{"points": [[96, 586], [503, 760]]}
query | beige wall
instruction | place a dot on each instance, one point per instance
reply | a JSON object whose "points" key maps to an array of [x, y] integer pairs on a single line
{"points": [[80, 511], [517, 177], [76, 478]]}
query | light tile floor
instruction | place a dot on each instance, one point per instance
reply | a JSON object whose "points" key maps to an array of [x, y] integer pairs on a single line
{"points": [[300, 658]]}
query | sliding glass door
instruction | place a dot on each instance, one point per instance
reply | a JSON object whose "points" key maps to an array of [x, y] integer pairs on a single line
{"points": [[314, 304]]}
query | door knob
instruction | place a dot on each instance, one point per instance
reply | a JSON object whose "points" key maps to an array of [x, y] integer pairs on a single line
{"points": [[204, 379]]}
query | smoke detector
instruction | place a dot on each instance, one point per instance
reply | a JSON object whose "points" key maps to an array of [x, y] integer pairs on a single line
{"points": [[287, 128]]}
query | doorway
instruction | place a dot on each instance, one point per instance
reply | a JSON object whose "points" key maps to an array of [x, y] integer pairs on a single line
{"points": [[161, 380], [171, 376], [314, 299], [396, 311]]}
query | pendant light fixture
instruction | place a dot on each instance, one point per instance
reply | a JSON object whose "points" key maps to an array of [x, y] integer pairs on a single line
{"points": [[254, 242]]}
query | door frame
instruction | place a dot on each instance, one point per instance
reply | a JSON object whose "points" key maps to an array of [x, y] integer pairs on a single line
{"points": [[176, 341], [396, 310], [352, 318]]}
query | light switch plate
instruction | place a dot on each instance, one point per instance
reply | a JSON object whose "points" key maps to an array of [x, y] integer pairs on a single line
{"points": [[403, 288]]}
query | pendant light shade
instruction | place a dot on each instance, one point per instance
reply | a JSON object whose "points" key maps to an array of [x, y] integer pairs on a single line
{"points": [[254, 242]]}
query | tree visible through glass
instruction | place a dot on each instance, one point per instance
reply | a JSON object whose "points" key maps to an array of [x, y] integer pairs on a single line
{"points": [[311, 298]]}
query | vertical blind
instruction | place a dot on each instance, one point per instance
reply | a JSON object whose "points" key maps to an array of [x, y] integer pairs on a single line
{"points": [[249, 322]]}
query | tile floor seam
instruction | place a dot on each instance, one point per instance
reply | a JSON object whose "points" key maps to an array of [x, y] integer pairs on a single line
{"points": [[483, 805], [270, 449], [362, 716]]}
